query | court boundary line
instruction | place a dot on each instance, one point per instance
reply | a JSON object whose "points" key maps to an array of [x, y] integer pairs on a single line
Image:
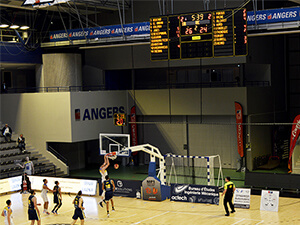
{"points": [[150, 218]]}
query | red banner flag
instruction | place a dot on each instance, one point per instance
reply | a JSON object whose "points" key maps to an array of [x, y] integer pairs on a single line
{"points": [[133, 127], [239, 128], [294, 137]]}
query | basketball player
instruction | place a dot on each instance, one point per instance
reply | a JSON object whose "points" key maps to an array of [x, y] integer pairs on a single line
{"points": [[57, 199], [28, 166], [7, 214], [229, 189], [109, 187], [78, 213], [103, 172], [33, 211], [45, 190]]}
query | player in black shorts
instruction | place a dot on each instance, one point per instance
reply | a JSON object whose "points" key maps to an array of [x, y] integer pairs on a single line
{"points": [[229, 189], [33, 211], [57, 199], [78, 213], [109, 187]]}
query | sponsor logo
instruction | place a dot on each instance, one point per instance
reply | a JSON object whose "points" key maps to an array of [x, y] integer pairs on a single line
{"points": [[101, 113], [77, 114], [150, 182], [179, 198], [119, 183], [180, 188]]}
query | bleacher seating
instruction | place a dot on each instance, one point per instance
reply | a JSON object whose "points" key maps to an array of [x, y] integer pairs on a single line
{"points": [[10, 155]]}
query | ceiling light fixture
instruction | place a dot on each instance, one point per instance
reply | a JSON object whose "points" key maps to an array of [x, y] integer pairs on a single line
{"points": [[14, 27], [4, 25], [24, 27]]}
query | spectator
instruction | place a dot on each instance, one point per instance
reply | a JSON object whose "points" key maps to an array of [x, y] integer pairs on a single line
{"points": [[6, 132], [28, 166], [26, 184], [21, 143]]}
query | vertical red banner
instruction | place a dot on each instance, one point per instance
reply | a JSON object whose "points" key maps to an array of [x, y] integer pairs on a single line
{"points": [[239, 128], [294, 137], [133, 127]]}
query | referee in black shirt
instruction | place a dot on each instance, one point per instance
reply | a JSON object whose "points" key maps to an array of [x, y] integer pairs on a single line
{"points": [[229, 189]]}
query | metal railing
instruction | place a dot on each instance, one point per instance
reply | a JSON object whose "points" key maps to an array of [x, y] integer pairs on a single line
{"points": [[148, 85], [58, 155]]}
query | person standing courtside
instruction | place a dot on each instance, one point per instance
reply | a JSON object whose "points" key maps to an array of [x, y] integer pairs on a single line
{"points": [[57, 198], [78, 213], [7, 214], [28, 166], [33, 211], [229, 189], [109, 187]]}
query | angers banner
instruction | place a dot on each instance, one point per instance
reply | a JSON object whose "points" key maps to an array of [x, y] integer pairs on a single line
{"points": [[239, 128], [294, 137], [101, 32], [195, 193]]}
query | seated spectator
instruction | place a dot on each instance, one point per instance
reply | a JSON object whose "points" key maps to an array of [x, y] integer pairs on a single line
{"points": [[21, 143], [6, 132]]}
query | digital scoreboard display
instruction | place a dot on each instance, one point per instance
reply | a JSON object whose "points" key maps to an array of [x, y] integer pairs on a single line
{"points": [[199, 35]]}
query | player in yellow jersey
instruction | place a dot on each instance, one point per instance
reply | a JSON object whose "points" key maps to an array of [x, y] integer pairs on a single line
{"points": [[7, 214], [229, 189]]}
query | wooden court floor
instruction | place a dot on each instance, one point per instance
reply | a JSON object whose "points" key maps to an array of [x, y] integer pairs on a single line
{"points": [[136, 211]]}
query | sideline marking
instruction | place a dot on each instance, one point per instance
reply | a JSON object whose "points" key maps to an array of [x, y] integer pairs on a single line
{"points": [[239, 221], [151, 218]]}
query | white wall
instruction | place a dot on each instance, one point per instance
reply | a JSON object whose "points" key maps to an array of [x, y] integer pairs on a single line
{"points": [[41, 117], [102, 101]]}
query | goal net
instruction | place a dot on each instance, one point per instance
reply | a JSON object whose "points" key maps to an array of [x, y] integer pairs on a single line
{"points": [[200, 170]]}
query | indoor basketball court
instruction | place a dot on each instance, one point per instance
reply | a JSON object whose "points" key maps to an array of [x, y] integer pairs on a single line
{"points": [[137, 211]]}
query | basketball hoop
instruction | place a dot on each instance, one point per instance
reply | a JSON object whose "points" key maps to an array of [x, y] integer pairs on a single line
{"points": [[112, 155]]}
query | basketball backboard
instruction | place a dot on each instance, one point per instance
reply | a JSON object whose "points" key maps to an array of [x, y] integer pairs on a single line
{"points": [[119, 143]]}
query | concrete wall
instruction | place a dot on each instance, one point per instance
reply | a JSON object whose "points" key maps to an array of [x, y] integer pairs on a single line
{"points": [[50, 117], [60, 70], [41, 117], [138, 57]]}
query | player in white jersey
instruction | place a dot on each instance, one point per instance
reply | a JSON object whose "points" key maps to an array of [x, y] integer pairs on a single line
{"points": [[28, 166], [45, 190], [103, 172], [7, 214]]}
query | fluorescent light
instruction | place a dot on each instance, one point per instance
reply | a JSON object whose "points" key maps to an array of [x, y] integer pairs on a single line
{"points": [[14, 27], [4, 25], [24, 27]]}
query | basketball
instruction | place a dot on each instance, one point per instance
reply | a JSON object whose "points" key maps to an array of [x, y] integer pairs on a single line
{"points": [[116, 166]]}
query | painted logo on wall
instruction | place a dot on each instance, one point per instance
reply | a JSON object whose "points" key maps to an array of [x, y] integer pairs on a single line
{"points": [[98, 113]]}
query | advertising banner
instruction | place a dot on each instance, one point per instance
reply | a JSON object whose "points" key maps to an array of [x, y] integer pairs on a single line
{"points": [[273, 16], [195, 193], [67, 185], [242, 198], [269, 200], [294, 137], [133, 127], [101, 32], [239, 128], [128, 188], [151, 189], [10, 184]]}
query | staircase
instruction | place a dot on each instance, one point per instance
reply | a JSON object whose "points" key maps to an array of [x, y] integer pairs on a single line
{"points": [[10, 155]]}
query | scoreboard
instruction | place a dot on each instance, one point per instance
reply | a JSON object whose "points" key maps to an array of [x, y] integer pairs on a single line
{"points": [[199, 35]]}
